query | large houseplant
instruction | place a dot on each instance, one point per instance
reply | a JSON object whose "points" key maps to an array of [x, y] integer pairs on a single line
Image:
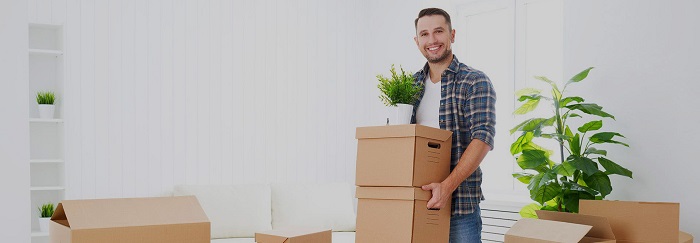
{"points": [[558, 186], [399, 93]]}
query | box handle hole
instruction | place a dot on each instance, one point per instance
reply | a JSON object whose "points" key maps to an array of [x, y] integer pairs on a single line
{"points": [[434, 145]]}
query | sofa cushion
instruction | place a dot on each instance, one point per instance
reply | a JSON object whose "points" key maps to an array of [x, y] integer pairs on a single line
{"points": [[313, 206], [234, 210]]}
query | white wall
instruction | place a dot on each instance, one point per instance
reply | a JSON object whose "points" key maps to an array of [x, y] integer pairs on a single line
{"points": [[160, 93], [646, 59], [14, 125]]}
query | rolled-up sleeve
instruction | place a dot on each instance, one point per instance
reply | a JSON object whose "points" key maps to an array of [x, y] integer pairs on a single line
{"points": [[481, 113]]}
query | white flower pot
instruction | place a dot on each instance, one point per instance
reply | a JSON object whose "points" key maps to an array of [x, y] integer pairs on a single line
{"points": [[46, 111], [44, 224], [399, 114]]}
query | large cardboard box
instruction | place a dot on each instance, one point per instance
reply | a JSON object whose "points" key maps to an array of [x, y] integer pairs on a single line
{"points": [[399, 214], [528, 230], [133, 220], [639, 221], [294, 236], [402, 155], [601, 231]]}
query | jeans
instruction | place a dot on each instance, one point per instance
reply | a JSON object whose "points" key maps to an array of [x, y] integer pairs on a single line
{"points": [[466, 228]]}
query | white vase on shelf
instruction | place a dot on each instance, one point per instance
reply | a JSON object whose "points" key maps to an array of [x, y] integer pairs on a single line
{"points": [[46, 111]]}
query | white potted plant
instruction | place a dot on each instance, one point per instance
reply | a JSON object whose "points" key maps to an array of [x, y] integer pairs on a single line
{"points": [[46, 104], [45, 212], [398, 93]]}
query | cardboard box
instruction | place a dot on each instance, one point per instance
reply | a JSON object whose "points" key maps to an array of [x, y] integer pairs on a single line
{"points": [[638, 221], [294, 236], [402, 155], [601, 231], [684, 237], [528, 230], [399, 214], [134, 220]]}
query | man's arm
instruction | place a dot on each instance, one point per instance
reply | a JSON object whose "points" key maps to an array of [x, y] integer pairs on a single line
{"points": [[470, 160]]}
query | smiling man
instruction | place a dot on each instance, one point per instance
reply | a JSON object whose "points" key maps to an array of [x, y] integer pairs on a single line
{"points": [[460, 99]]}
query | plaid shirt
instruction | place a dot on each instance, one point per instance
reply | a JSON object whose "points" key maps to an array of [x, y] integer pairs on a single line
{"points": [[467, 108]]}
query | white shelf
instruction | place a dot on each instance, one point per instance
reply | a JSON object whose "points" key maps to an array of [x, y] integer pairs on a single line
{"points": [[47, 188], [46, 120], [46, 161], [45, 52], [39, 234]]}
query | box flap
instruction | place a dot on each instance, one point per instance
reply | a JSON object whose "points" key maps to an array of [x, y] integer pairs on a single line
{"points": [[398, 131], [125, 212], [637, 221], [548, 230], [601, 227], [684, 237], [395, 193], [283, 235]]}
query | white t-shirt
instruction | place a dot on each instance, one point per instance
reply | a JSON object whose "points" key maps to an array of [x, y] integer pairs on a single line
{"points": [[428, 113]]}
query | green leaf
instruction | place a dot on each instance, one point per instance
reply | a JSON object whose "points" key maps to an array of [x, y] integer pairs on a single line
{"points": [[530, 97], [517, 146], [550, 82], [535, 182], [580, 76], [523, 177], [575, 145], [600, 182], [577, 187], [568, 132], [571, 199], [588, 166], [613, 168], [545, 193], [591, 126], [527, 91], [530, 125], [531, 159], [573, 115], [606, 137], [527, 107], [557, 96], [592, 150], [533, 146], [565, 169], [591, 109], [568, 100], [528, 211]]}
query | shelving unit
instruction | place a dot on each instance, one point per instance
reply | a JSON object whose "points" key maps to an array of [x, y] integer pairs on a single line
{"points": [[47, 164]]}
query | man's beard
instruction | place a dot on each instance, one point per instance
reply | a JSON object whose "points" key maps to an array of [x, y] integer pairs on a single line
{"points": [[441, 58]]}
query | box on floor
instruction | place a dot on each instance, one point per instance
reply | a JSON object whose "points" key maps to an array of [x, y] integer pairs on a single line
{"points": [[135, 220], [639, 221]]}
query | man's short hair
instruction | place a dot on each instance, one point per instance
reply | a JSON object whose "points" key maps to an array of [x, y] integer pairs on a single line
{"points": [[434, 11]]}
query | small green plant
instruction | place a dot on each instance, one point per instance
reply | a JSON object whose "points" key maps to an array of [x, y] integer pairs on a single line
{"points": [[398, 89], [558, 186], [46, 210], [45, 98]]}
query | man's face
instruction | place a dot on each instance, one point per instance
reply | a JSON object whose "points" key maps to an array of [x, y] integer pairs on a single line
{"points": [[434, 38]]}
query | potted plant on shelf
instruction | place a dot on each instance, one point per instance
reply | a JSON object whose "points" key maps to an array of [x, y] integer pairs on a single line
{"points": [[558, 186], [46, 104], [398, 93], [45, 212]]}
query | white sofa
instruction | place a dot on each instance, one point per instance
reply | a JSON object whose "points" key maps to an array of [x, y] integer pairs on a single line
{"points": [[237, 212]]}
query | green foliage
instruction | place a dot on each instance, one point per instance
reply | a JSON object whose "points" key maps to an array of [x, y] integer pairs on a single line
{"points": [[582, 171], [46, 210], [45, 98], [398, 89]]}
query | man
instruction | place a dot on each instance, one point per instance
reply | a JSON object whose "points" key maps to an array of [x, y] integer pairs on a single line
{"points": [[460, 99]]}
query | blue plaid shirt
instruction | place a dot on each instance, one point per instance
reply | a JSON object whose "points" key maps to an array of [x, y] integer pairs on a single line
{"points": [[468, 109]]}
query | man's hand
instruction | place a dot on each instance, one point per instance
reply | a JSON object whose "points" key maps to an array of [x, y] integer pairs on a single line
{"points": [[437, 201]]}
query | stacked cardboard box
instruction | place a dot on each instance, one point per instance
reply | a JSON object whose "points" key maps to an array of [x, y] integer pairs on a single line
{"points": [[393, 162]]}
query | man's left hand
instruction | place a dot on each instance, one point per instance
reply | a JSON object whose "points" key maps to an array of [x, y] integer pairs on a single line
{"points": [[437, 201]]}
